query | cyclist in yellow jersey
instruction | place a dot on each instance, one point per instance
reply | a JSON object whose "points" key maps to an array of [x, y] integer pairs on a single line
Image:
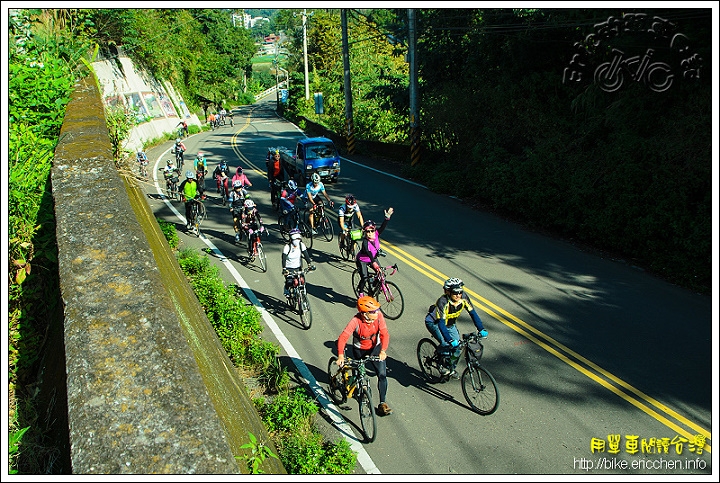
{"points": [[442, 317], [189, 191]]}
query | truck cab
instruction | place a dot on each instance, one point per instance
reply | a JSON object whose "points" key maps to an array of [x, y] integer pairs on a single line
{"points": [[314, 155]]}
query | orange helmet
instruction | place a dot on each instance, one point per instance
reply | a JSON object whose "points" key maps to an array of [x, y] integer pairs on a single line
{"points": [[367, 304]]}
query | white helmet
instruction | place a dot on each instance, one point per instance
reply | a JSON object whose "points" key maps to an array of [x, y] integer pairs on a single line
{"points": [[249, 204], [315, 178]]}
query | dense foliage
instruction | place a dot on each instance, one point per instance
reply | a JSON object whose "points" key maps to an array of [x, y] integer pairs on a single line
{"points": [[198, 50], [625, 170], [45, 58]]}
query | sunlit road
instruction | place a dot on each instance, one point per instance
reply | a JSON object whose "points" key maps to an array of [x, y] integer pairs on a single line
{"points": [[582, 348]]}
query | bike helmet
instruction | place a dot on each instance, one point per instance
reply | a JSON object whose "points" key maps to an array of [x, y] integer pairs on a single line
{"points": [[237, 184], [350, 200], [295, 234], [223, 164], [453, 285], [292, 185], [169, 162], [177, 141], [367, 303], [200, 155], [368, 224], [249, 204], [315, 178], [189, 175]]}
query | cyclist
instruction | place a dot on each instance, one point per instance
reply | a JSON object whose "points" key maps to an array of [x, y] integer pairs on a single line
{"points": [[184, 126], [250, 220], [370, 248], [274, 171], [291, 258], [288, 198], [240, 176], [188, 192], [370, 338], [170, 172], [222, 175], [211, 120], [200, 165], [142, 158], [237, 203], [441, 321], [346, 218], [313, 189], [179, 149]]}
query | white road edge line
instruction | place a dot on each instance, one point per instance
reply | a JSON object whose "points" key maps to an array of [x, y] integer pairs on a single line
{"points": [[330, 409]]}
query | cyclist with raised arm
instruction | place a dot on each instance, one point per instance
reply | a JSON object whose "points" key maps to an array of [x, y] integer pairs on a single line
{"points": [[441, 322], [292, 255], [346, 217], [370, 338], [184, 127], [312, 190], [189, 192], [369, 249]]}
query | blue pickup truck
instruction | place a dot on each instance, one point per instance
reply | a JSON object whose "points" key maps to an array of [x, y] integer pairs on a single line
{"points": [[311, 155]]}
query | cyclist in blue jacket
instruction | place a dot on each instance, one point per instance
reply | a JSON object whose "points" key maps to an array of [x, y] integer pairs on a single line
{"points": [[442, 317]]}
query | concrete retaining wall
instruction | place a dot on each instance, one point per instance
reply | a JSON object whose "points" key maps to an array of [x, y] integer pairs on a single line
{"points": [[149, 388]]}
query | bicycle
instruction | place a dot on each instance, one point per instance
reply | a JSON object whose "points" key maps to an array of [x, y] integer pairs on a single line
{"points": [[352, 380], [275, 189], [322, 222], [348, 244], [478, 385], [223, 180], [255, 247], [172, 178], [179, 158], [392, 302], [298, 298], [197, 215], [295, 222], [142, 168]]}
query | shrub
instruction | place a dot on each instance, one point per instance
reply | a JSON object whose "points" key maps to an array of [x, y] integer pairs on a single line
{"points": [[168, 229]]}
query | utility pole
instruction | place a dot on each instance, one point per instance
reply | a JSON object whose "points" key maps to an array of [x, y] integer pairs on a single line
{"points": [[277, 80], [348, 91], [414, 121], [307, 81]]}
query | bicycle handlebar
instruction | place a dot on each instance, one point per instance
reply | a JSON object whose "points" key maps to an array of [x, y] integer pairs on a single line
{"points": [[357, 362]]}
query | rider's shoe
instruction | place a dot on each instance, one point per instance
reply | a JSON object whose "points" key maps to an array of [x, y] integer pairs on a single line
{"points": [[286, 292], [384, 409], [237, 237], [444, 371], [314, 231], [454, 374]]}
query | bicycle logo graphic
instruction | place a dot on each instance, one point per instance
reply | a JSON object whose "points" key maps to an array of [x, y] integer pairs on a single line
{"points": [[612, 75]]}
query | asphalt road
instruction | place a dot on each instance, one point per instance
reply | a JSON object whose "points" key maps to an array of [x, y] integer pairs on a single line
{"points": [[583, 348]]}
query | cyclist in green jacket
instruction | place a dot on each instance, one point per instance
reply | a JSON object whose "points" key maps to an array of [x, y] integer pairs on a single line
{"points": [[189, 191]]}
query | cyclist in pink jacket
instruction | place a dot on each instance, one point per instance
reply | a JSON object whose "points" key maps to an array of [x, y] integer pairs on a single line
{"points": [[369, 249]]}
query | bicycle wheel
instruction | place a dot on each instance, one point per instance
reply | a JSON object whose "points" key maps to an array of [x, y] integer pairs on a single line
{"points": [[306, 233], [261, 257], [355, 281], [426, 356], [480, 390], [284, 232], [391, 301], [326, 228], [336, 385], [201, 213], [305, 310], [367, 414]]}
